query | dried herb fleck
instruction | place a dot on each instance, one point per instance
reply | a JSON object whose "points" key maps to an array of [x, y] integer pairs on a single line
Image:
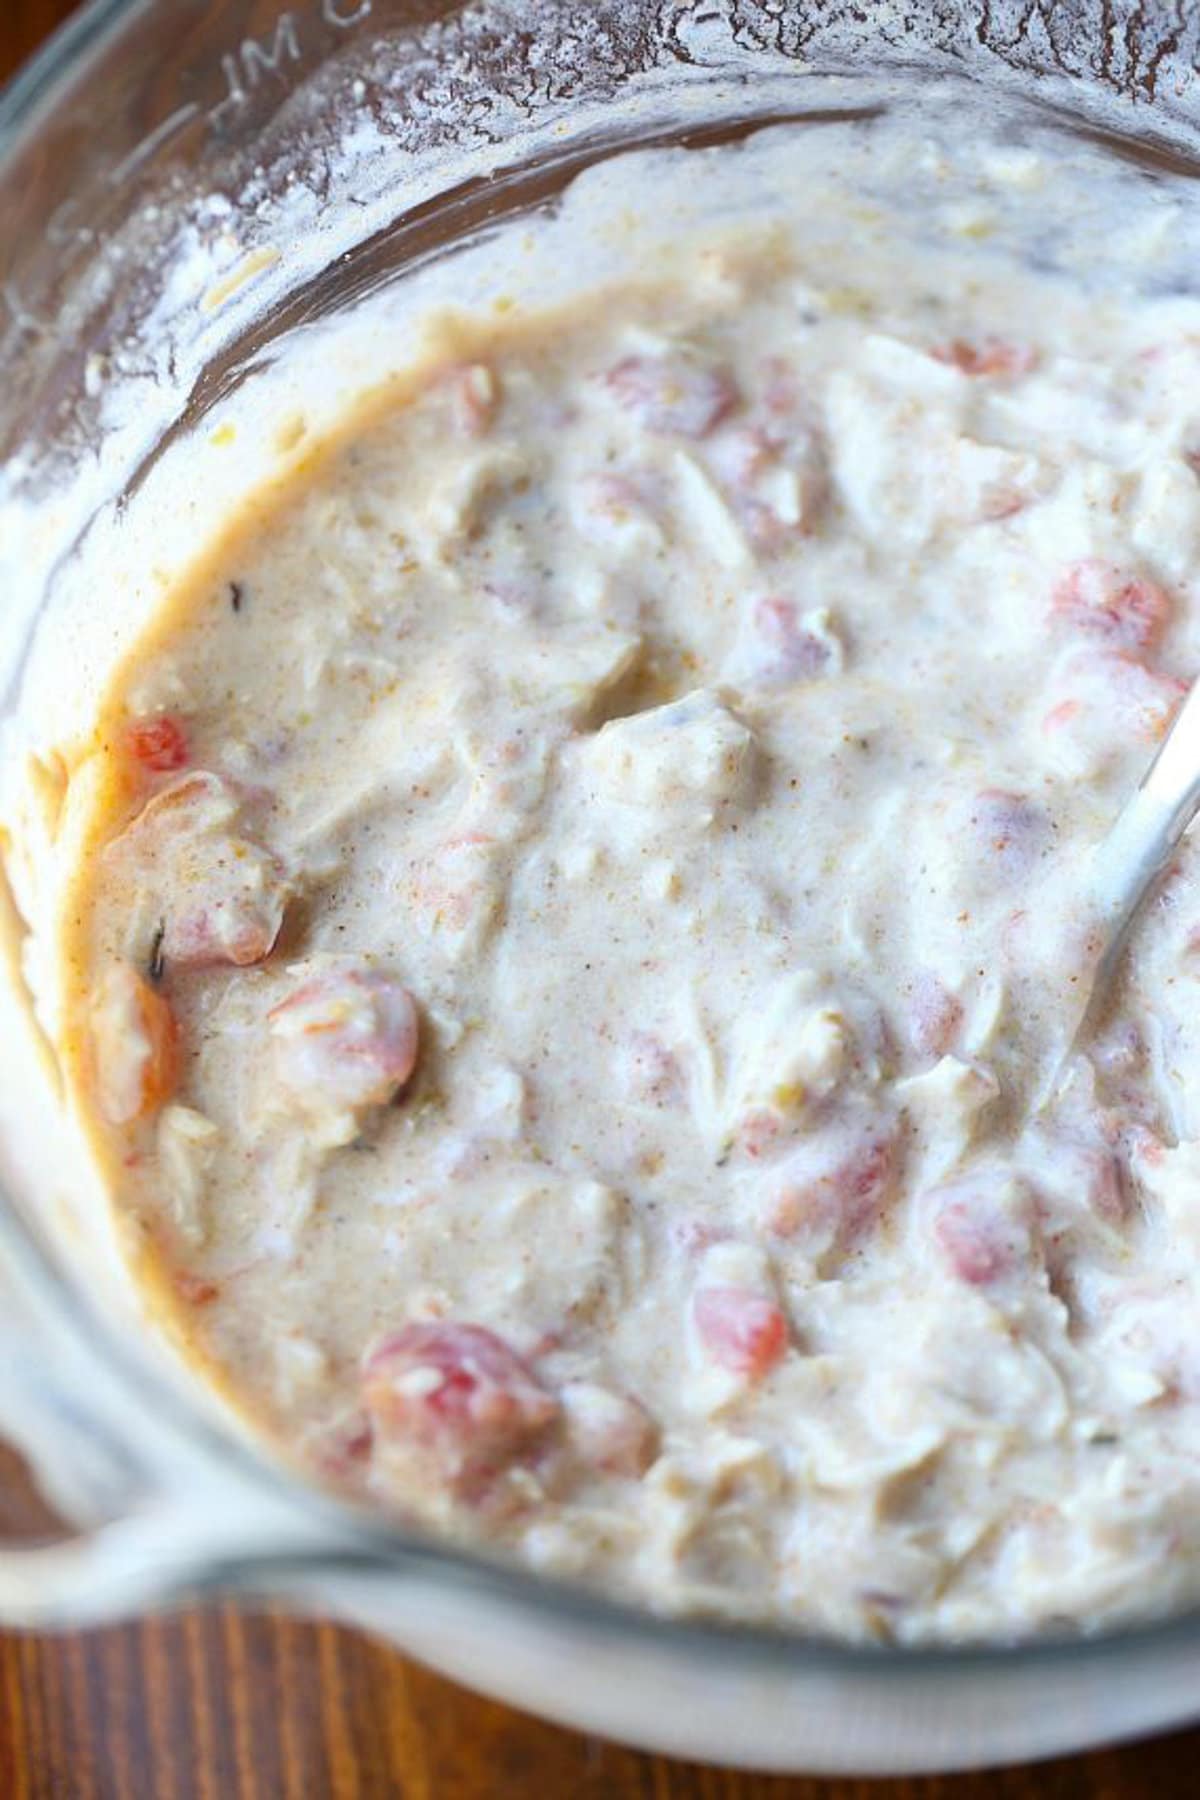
{"points": [[158, 961], [237, 595]]}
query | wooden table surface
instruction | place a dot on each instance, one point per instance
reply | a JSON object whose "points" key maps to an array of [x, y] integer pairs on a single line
{"points": [[219, 1705]]}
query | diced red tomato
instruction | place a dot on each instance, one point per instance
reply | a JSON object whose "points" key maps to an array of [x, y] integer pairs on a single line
{"points": [[786, 649], [195, 1290], [474, 395], [1061, 715], [740, 1330], [935, 1015], [987, 356], [223, 895], [1143, 1146], [1011, 827], [461, 1396], [976, 1250], [839, 1206], [1089, 1163], [158, 744], [1106, 1189], [231, 929], [618, 511], [982, 1228], [759, 1132], [1124, 611], [135, 1046], [343, 1446], [743, 454], [1003, 500], [1149, 697], [775, 478], [454, 887], [1114, 696], [670, 395], [347, 1037]]}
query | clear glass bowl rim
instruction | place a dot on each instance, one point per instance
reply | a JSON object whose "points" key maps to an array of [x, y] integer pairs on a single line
{"points": [[382, 1550]]}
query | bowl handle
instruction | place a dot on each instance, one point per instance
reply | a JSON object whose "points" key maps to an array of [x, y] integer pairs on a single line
{"points": [[159, 1501], [166, 1552]]}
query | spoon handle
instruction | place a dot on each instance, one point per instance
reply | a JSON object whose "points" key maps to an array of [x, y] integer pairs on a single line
{"points": [[1147, 831]]}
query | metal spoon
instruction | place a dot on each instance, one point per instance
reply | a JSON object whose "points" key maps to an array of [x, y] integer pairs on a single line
{"points": [[1139, 847]]}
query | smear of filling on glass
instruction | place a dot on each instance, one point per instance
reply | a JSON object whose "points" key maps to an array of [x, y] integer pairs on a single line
{"points": [[583, 902]]}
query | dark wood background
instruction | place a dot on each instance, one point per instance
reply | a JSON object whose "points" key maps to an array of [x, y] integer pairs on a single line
{"points": [[221, 1705]]}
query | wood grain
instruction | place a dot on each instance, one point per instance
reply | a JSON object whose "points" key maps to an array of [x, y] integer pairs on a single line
{"points": [[220, 1705], [23, 25]]}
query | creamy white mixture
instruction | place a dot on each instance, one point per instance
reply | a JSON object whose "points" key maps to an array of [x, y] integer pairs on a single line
{"points": [[582, 907]]}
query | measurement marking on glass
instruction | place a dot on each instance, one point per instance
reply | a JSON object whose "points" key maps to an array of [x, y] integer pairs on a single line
{"points": [[244, 72], [176, 122], [246, 68]]}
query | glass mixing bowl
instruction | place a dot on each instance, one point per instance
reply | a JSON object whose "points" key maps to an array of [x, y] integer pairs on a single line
{"points": [[186, 186]]}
